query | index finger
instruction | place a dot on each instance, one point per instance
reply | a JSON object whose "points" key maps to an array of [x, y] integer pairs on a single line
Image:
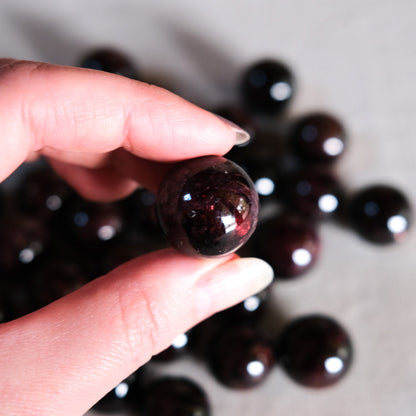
{"points": [[77, 110]]}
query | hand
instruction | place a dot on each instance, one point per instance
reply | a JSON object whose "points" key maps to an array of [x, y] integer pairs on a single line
{"points": [[105, 134]]}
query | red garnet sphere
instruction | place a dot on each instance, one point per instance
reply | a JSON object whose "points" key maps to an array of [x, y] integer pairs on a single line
{"points": [[207, 206]]}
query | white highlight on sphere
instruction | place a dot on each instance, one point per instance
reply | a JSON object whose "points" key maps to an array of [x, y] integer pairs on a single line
{"points": [[333, 146], [328, 203], [121, 390], [54, 202], [255, 368], [26, 255], [106, 232], [397, 224], [264, 186], [252, 303], [180, 341], [281, 91], [229, 223], [301, 257], [333, 365], [187, 197]]}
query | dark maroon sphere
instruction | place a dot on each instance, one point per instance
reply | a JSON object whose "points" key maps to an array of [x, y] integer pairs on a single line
{"points": [[110, 60], [380, 213], [288, 243], [318, 137], [315, 193], [240, 357], [267, 87], [315, 351], [175, 396], [207, 206]]}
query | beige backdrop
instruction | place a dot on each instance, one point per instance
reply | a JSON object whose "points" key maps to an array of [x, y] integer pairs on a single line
{"points": [[355, 58]]}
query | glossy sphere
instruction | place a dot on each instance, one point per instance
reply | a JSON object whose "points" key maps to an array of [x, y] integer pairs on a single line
{"points": [[315, 351], [381, 214], [267, 87], [175, 396], [288, 243], [318, 137], [207, 207], [110, 60], [240, 357], [315, 193]]}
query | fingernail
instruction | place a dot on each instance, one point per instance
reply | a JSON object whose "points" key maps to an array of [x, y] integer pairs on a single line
{"points": [[241, 136], [231, 283], [256, 272]]}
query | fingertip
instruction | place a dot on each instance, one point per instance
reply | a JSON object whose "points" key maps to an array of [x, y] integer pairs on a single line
{"points": [[231, 282], [241, 136]]}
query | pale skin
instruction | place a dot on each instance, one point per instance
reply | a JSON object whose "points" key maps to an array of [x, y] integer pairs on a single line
{"points": [[105, 135]]}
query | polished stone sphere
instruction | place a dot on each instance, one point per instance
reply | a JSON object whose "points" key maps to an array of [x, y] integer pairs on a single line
{"points": [[207, 206], [315, 351]]}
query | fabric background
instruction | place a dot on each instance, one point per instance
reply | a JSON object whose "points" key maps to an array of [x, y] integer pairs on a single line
{"points": [[356, 59]]}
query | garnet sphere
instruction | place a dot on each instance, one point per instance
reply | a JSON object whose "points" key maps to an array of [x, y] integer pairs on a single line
{"points": [[289, 243], [175, 396], [267, 87], [381, 214], [318, 137], [240, 357], [207, 207], [315, 350]]}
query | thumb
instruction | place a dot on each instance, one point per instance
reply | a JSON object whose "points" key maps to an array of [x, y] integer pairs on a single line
{"points": [[63, 358]]}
